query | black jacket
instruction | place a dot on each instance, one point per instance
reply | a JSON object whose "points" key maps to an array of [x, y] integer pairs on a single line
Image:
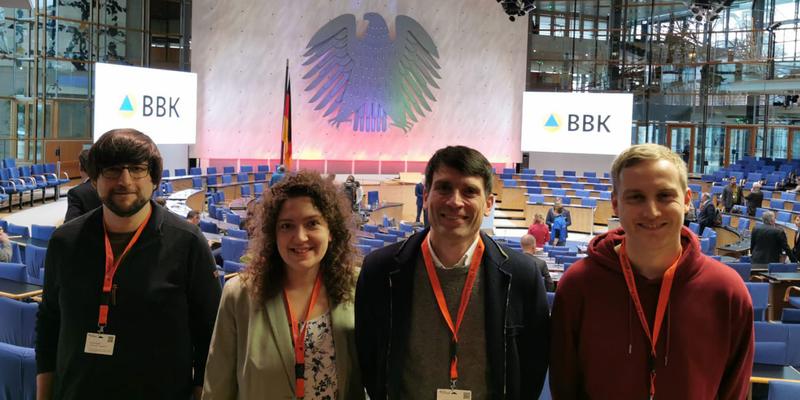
{"points": [[754, 200], [163, 313], [81, 199], [516, 309], [706, 215], [767, 242]]}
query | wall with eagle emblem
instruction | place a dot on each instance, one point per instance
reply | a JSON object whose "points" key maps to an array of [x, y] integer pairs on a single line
{"points": [[390, 81]]}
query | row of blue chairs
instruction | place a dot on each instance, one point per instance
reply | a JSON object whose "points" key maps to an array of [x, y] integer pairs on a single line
{"points": [[552, 172], [17, 353], [213, 170]]}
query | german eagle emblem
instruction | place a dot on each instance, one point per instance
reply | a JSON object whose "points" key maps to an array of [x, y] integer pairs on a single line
{"points": [[371, 79]]}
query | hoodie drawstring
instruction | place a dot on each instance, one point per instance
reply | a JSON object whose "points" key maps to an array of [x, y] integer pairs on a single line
{"points": [[630, 332]]}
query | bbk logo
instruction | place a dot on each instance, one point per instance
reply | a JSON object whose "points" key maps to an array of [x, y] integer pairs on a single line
{"points": [[152, 106], [588, 123]]}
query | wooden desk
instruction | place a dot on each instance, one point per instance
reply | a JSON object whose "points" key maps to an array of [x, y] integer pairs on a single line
{"points": [[726, 236], [389, 210], [514, 198], [735, 250], [778, 282], [399, 192], [18, 290], [582, 217], [232, 191], [763, 373]]}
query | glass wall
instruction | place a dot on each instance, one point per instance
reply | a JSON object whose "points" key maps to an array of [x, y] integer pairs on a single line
{"points": [[740, 69], [47, 57]]}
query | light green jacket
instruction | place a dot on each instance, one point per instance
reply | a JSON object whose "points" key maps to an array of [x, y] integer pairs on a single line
{"points": [[251, 354]]}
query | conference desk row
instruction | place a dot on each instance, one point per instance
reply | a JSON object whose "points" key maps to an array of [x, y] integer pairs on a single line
{"points": [[554, 178], [185, 181]]}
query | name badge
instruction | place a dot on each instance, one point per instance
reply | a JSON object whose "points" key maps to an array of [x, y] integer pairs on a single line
{"points": [[99, 343], [453, 394]]}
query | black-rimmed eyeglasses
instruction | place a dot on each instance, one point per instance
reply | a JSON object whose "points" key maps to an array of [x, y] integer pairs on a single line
{"points": [[136, 171]]}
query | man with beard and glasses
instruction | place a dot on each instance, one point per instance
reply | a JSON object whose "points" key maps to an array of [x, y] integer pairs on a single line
{"points": [[130, 296]]}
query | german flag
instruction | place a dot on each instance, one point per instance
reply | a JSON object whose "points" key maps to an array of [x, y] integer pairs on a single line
{"points": [[286, 136]]}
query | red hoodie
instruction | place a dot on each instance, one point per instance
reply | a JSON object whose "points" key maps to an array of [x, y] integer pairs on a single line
{"points": [[600, 351]]}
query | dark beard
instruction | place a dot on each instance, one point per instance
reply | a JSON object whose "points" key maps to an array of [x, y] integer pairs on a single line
{"points": [[124, 213]]}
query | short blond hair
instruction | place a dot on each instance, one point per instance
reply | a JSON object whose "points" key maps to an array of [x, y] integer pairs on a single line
{"points": [[647, 152]]}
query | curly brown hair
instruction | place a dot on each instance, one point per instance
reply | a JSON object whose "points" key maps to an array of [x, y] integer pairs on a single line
{"points": [[265, 273]]}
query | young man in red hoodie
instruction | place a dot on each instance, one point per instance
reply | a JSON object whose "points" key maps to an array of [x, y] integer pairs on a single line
{"points": [[647, 315]]}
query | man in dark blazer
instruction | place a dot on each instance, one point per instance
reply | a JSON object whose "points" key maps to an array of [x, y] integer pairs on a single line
{"points": [[528, 244], [731, 195], [82, 198], [407, 291], [768, 242], [707, 213], [796, 247], [754, 199]]}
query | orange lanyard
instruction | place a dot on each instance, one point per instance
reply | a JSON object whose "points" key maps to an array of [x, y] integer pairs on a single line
{"points": [[111, 270], [298, 340], [466, 293], [661, 307]]}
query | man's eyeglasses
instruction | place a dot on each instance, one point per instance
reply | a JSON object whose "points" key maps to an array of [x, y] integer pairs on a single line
{"points": [[136, 171]]}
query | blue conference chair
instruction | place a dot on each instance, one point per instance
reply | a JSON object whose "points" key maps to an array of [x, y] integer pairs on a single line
{"points": [[743, 269], [42, 232], [233, 249], [209, 227], [229, 169], [262, 168], [386, 237], [180, 172], [14, 272], [18, 230], [759, 294], [246, 168], [195, 171], [781, 267], [783, 390], [237, 233]]}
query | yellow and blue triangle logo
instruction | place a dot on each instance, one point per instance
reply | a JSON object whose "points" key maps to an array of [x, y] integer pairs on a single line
{"points": [[552, 124], [126, 108]]}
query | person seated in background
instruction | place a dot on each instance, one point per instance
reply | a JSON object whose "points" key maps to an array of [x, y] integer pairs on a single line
{"points": [[768, 241], [82, 198], [6, 251], [278, 175], [193, 217], [528, 243], [558, 220], [539, 230], [285, 327], [754, 199]]}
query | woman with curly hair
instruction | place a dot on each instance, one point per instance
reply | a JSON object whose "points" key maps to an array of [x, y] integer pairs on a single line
{"points": [[285, 325]]}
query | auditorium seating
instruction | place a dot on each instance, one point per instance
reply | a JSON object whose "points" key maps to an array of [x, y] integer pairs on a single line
{"points": [[17, 356], [783, 390], [233, 249], [237, 233], [781, 267], [759, 293], [777, 343], [743, 269]]}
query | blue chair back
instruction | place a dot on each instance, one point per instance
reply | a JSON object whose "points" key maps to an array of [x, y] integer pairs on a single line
{"points": [[195, 171], [246, 168], [363, 249], [238, 233], [781, 267], [783, 390], [372, 198], [231, 267], [19, 322], [228, 170], [759, 294], [242, 177], [233, 249], [244, 191], [18, 230], [14, 272], [233, 218], [262, 168], [34, 260], [260, 176], [209, 227], [385, 237], [743, 269], [17, 372], [227, 179], [370, 228], [374, 243], [258, 189], [42, 232], [180, 172], [588, 201], [197, 182], [211, 170], [165, 173]]}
